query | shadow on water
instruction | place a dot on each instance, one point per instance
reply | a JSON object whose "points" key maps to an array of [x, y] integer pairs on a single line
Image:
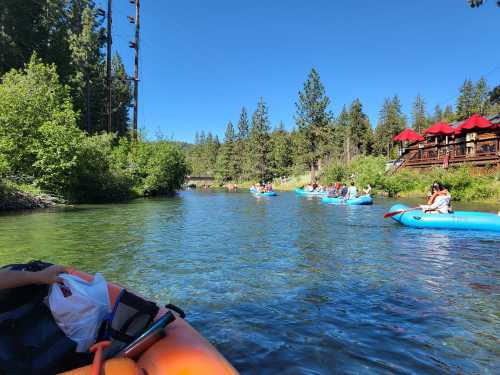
{"points": [[289, 285]]}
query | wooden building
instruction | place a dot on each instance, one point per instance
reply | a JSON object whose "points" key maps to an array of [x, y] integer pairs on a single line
{"points": [[475, 141]]}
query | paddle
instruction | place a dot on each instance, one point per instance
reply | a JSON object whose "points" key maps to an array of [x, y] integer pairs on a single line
{"points": [[391, 214]]}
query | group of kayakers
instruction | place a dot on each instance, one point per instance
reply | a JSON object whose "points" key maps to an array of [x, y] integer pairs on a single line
{"points": [[262, 187], [338, 190]]}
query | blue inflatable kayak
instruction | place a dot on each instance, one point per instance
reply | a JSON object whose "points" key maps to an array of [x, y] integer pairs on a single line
{"points": [[310, 193], [268, 194], [457, 220], [362, 200]]}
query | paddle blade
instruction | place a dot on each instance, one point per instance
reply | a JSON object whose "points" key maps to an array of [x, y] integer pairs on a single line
{"points": [[391, 214]]}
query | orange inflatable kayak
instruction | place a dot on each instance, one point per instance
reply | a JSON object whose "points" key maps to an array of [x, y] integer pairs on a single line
{"points": [[183, 351]]}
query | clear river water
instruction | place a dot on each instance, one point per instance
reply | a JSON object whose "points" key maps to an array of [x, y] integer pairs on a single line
{"points": [[288, 285]]}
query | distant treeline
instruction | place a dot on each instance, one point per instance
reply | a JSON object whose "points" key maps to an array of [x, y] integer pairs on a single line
{"points": [[252, 151]]}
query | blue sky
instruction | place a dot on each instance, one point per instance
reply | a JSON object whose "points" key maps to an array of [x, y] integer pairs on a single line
{"points": [[201, 60]]}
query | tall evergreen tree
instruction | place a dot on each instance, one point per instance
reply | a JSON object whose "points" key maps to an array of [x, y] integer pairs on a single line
{"points": [[391, 122], [342, 138], [465, 105], [313, 121], [226, 163], [243, 159], [259, 142], [438, 114], [480, 99], [419, 117], [359, 131], [448, 114], [122, 96], [281, 152]]}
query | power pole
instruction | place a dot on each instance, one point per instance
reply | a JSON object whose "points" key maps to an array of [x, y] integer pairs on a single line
{"points": [[135, 45], [109, 41], [136, 65]]}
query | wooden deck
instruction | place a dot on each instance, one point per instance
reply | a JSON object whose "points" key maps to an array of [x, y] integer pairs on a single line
{"points": [[483, 152]]}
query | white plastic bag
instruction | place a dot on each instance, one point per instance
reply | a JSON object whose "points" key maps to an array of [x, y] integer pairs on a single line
{"points": [[79, 307]]}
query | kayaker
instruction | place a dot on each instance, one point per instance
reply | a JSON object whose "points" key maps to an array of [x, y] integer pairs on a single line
{"points": [[367, 190], [440, 199], [344, 191], [14, 279], [352, 192]]}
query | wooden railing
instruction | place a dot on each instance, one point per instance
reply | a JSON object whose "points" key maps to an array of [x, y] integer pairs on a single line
{"points": [[482, 151]]}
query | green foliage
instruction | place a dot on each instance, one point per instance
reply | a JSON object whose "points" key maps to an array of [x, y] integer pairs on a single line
{"points": [[280, 157], [359, 131], [69, 34], [4, 166], [368, 170], [391, 122], [465, 105], [313, 121], [158, 167], [362, 169], [419, 116], [334, 172], [461, 182], [97, 178], [29, 99], [153, 168], [58, 157], [405, 181], [258, 143], [227, 169]]}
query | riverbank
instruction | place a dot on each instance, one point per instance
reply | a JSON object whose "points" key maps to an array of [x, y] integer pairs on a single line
{"points": [[23, 197]]}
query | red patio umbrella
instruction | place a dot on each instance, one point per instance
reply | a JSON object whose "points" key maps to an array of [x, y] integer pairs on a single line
{"points": [[408, 135], [475, 121], [440, 128]]}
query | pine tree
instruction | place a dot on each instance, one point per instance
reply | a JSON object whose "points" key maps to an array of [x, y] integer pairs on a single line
{"points": [[243, 161], [419, 116], [226, 164], [313, 122], [359, 130], [465, 106], [342, 137], [122, 97], [281, 152], [480, 99], [391, 122], [259, 142], [448, 114], [438, 114]]}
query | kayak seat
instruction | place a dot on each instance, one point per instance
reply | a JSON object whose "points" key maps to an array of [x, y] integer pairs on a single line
{"points": [[114, 366]]}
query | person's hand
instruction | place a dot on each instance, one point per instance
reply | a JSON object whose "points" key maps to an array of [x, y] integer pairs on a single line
{"points": [[50, 275]]}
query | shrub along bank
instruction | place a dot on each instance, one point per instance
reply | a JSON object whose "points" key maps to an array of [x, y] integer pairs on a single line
{"points": [[40, 143]]}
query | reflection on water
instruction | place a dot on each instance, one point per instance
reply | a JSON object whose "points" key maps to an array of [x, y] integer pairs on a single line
{"points": [[289, 285]]}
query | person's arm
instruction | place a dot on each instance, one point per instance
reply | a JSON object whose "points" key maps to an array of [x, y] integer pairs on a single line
{"points": [[14, 279]]}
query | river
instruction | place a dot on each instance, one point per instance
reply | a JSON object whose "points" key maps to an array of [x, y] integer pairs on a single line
{"points": [[288, 285]]}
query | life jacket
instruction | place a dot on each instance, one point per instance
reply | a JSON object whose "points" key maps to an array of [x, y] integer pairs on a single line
{"points": [[30, 340]]}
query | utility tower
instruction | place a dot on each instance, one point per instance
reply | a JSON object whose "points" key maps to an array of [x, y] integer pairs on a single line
{"points": [[109, 42], [135, 46]]}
